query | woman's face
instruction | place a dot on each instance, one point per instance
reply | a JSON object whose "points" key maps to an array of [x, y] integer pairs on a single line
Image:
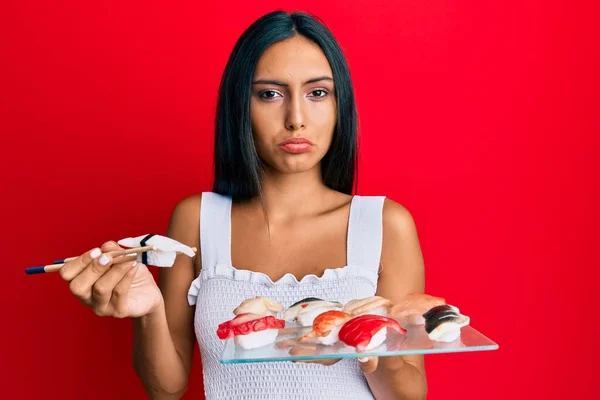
{"points": [[293, 98]]}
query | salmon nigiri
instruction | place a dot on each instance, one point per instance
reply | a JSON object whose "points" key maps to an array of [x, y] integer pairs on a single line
{"points": [[326, 327], [410, 309], [376, 305]]}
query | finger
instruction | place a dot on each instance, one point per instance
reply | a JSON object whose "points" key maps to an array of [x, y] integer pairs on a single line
{"points": [[72, 268], [81, 285], [110, 246], [119, 297], [368, 365], [102, 290], [326, 362]]}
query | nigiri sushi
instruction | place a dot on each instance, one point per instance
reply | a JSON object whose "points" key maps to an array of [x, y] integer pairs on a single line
{"points": [[258, 305], [305, 311], [410, 309], [367, 332], [326, 327], [443, 323], [374, 305], [250, 331]]}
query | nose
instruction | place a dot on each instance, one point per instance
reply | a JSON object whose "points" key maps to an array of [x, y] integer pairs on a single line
{"points": [[295, 115]]}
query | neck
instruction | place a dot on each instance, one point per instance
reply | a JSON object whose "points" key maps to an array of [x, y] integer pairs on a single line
{"points": [[287, 196]]}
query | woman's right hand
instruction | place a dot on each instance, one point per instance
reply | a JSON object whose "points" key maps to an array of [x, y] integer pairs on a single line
{"points": [[117, 290]]}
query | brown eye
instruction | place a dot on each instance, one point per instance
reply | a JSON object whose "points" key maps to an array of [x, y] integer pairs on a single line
{"points": [[269, 94], [319, 93]]}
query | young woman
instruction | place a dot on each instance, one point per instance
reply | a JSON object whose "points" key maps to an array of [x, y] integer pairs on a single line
{"points": [[281, 222]]}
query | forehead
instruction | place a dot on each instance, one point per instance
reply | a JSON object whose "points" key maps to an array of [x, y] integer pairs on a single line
{"points": [[293, 60]]}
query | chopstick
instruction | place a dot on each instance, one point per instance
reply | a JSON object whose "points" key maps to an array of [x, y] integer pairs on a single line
{"points": [[57, 265]]}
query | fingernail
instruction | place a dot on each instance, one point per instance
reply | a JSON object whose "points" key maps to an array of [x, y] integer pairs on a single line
{"points": [[363, 359], [95, 253], [133, 264], [104, 259]]}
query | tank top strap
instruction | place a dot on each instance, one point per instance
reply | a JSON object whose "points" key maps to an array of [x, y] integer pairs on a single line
{"points": [[215, 229], [365, 232]]}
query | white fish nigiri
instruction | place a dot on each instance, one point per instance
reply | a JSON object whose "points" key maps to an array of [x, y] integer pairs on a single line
{"points": [[258, 305], [165, 252]]}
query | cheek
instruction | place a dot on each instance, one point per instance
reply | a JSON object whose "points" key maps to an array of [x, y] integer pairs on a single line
{"points": [[264, 127], [325, 118]]}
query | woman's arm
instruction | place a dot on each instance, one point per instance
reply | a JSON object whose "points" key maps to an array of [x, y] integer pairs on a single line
{"points": [[164, 339], [403, 273]]}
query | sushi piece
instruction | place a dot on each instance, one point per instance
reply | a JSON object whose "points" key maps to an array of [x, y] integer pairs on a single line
{"points": [[305, 311], [258, 305], [443, 323], [326, 327], [250, 331], [164, 249], [367, 332], [410, 309], [374, 305]]}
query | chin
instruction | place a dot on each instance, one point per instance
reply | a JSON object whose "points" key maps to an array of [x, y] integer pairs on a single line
{"points": [[295, 169], [298, 164], [293, 164]]}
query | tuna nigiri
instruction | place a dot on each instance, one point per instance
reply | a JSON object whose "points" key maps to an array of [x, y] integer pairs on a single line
{"points": [[326, 327], [250, 331], [305, 311], [374, 305], [410, 309], [367, 332], [443, 323]]}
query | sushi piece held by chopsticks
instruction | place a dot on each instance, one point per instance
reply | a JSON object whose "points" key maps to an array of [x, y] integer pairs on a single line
{"points": [[152, 250], [164, 249]]}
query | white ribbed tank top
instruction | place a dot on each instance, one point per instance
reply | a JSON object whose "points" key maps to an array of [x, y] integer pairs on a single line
{"points": [[220, 287]]}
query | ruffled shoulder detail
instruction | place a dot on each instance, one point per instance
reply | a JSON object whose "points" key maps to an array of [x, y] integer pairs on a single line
{"points": [[221, 271]]}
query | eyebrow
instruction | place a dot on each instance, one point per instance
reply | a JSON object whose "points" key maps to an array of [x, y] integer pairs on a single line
{"points": [[278, 83]]}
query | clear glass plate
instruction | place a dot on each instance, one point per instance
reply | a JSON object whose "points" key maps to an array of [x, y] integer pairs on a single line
{"points": [[415, 341]]}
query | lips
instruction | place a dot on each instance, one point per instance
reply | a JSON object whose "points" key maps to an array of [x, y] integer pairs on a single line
{"points": [[295, 141], [296, 145]]}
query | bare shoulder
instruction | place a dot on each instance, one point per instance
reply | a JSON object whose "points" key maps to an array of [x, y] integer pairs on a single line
{"points": [[402, 269], [188, 207], [184, 225], [397, 220]]}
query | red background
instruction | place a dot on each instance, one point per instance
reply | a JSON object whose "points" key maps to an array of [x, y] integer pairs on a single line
{"points": [[480, 117]]}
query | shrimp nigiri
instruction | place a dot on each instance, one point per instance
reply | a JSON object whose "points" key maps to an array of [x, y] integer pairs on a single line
{"points": [[326, 327]]}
